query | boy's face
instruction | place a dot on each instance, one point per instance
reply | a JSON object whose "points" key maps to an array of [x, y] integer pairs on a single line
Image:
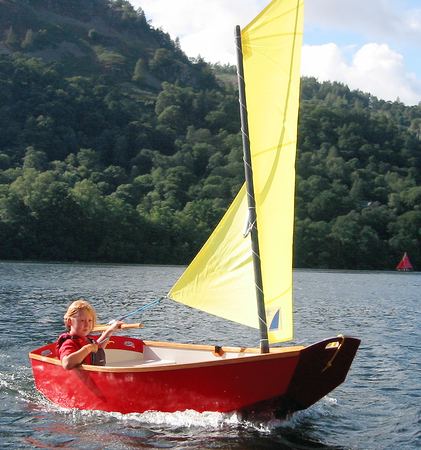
{"points": [[81, 323]]}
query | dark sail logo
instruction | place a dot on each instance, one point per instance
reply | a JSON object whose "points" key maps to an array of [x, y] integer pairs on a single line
{"points": [[276, 321]]}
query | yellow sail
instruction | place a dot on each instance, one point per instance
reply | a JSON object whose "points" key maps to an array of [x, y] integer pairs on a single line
{"points": [[220, 280]]}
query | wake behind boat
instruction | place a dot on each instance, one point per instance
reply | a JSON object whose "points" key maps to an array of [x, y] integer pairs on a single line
{"points": [[243, 274]]}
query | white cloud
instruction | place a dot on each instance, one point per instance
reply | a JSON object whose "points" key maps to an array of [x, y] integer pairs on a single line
{"points": [[325, 62], [206, 28], [374, 68]]}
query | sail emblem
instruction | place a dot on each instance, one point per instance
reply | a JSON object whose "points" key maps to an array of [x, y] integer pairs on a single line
{"points": [[276, 321]]}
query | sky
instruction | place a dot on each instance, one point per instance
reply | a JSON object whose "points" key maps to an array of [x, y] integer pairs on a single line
{"points": [[370, 45]]}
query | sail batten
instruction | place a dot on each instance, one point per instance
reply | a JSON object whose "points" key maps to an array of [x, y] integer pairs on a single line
{"points": [[220, 280]]}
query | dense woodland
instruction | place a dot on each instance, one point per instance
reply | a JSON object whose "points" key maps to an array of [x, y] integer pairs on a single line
{"points": [[114, 146]]}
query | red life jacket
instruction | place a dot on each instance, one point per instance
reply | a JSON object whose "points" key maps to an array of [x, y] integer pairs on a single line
{"points": [[96, 359]]}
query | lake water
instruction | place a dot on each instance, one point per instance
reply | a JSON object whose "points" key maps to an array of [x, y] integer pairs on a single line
{"points": [[378, 407]]}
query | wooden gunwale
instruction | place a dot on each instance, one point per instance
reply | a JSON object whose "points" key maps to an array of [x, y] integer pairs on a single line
{"points": [[177, 345]]}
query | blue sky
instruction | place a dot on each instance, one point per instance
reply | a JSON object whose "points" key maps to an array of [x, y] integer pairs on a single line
{"points": [[371, 45]]}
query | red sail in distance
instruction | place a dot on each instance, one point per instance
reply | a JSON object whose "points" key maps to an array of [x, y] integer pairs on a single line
{"points": [[404, 264]]}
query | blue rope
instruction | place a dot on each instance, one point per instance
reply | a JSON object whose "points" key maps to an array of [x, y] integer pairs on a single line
{"points": [[141, 309]]}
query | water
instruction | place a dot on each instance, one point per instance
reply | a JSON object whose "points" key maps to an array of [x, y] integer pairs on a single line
{"points": [[378, 407]]}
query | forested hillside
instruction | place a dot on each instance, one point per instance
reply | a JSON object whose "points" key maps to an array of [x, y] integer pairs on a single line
{"points": [[114, 146]]}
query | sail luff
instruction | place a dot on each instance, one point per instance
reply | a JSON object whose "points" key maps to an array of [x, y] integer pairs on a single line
{"points": [[252, 216]]}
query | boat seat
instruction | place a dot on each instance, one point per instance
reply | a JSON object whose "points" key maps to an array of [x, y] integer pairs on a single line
{"points": [[141, 363], [157, 362]]}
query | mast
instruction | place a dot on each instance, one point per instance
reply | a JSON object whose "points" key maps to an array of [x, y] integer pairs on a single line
{"points": [[264, 342]]}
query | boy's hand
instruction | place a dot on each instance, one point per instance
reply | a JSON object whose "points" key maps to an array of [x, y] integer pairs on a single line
{"points": [[115, 325], [93, 348], [105, 336]]}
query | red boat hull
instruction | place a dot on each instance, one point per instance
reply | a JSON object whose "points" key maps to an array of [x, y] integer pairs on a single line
{"points": [[280, 378]]}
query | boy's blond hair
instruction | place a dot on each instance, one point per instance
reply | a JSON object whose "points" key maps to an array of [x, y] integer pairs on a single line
{"points": [[76, 306]]}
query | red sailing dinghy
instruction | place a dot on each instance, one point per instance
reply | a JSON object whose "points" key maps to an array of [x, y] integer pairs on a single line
{"points": [[237, 275], [405, 264]]}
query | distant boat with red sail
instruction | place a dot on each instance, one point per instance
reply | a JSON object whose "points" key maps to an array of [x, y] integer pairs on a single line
{"points": [[405, 264]]}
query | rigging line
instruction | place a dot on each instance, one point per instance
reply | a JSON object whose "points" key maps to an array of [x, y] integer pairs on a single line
{"points": [[262, 320], [264, 342], [141, 309], [250, 225], [248, 229], [245, 161]]}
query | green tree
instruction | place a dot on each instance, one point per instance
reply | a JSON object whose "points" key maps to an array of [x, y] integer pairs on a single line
{"points": [[140, 71], [406, 234], [11, 38], [29, 40], [35, 159]]}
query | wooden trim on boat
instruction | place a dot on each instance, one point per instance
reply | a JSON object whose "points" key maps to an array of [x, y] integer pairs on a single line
{"points": [[124, 326], [47, 359], [211, 348]]}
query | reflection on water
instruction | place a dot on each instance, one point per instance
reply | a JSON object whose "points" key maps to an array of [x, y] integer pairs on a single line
{"points": [[377, 407]]}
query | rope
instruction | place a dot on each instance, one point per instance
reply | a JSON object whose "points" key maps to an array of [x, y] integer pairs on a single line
{"points": [[341, 338], [141, 309]]}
